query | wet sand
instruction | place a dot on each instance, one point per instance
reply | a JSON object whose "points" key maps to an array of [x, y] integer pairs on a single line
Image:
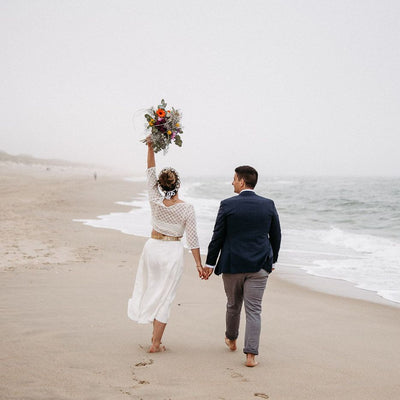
{"points": [[65, 333]]}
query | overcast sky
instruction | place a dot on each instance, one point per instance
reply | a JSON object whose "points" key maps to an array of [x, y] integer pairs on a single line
{"points": [[290, 87]]}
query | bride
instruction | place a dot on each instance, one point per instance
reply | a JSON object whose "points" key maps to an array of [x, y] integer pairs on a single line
{"points": [[161, 263]]}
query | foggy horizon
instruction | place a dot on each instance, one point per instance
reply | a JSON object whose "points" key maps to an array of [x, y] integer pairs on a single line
{"points": [[310, 90]]}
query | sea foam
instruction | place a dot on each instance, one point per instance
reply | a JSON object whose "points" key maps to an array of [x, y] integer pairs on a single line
{"points": [[324, 224]]}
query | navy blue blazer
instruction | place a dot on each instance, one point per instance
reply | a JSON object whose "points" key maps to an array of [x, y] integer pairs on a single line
{"points": [[247, 235]]}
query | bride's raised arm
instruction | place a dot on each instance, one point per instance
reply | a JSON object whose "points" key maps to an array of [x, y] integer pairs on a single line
{"points": [[151, 160]]}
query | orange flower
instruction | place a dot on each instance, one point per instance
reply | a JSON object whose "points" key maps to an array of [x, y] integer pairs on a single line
{"points": [[169, 133], [160, 112]]}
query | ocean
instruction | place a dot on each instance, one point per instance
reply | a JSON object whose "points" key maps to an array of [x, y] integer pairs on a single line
{"points": [[338, 228]]}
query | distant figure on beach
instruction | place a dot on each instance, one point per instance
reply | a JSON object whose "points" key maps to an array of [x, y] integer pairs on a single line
{"points": [[161, 263], [246, 242], [95, 175]]}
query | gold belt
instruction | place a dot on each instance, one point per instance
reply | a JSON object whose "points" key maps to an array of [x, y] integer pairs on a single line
{"points": [[160, 236]]}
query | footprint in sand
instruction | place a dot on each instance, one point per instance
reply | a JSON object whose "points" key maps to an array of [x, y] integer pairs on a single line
{"points": [[235, 375], [139, 381], [140, 364], [144, 363], [262, 395]]}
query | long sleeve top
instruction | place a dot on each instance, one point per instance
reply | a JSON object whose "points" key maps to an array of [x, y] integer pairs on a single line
{"points": [[171, 220]]}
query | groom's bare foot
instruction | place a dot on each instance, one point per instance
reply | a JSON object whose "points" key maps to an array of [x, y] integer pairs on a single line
{"points": [[251, 360], [156, 349], [231, 344]]}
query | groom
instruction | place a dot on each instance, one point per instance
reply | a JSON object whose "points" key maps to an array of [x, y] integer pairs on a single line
{"points": [[246, 242]]}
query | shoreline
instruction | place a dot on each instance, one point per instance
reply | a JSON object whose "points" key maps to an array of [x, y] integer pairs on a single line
{"points": [[297, 275], [331, 286], [65, 333], [287, 266]]}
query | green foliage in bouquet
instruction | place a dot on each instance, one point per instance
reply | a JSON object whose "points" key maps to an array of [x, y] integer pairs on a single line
{"points": [[164, 127]]}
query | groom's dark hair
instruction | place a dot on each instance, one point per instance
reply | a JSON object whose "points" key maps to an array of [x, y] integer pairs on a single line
{"points": [[248, 174]]}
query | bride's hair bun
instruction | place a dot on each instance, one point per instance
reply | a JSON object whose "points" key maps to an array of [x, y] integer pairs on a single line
{"points": [[168, 179]]}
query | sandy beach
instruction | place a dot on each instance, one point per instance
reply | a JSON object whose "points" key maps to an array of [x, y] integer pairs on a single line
{"points": [[65, 333]]}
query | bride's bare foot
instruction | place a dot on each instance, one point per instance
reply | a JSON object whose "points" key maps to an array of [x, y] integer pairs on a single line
{"points": [[231, 344], [251, 360], [156, 349]]}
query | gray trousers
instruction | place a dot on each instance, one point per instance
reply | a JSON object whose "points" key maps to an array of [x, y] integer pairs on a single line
{"points": [[247, 287]]}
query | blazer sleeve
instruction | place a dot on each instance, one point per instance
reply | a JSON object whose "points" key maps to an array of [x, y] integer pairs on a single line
{"points": [[218, 236], [275, 234]]}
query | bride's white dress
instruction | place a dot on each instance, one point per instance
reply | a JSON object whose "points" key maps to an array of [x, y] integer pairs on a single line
{"points": [[161, 263]]}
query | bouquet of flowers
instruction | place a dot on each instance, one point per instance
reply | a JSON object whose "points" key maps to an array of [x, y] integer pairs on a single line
{"points": [[164, 126]]}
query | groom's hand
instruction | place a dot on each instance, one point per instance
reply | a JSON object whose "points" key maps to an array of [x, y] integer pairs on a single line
{"points": [[207, 271]]}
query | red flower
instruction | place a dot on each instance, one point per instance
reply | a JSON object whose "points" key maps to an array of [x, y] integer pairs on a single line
{"points": [[160, 112]]}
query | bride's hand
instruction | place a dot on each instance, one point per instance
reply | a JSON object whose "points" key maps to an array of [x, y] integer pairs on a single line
{"points": [[200, 271], [151, 160], [207, 271]]}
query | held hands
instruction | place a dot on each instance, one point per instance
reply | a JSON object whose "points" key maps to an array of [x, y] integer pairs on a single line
{"points": [[207, 271], [200, 271], [204, 272]]}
